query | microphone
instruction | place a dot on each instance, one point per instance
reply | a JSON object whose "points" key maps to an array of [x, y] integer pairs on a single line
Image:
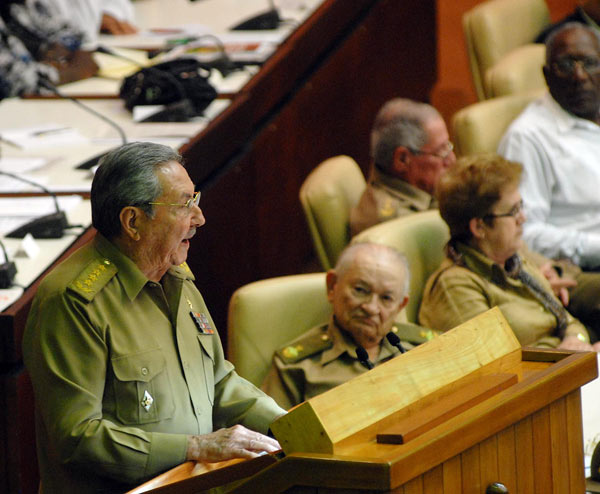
{"points": [[178, 111], [267, 20], [363, 357], [45, 83], [395, 341], [49, 226], [8, 270]]}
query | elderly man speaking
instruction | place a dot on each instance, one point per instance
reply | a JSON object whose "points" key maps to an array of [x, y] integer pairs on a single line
{"points": [[126, 364]]}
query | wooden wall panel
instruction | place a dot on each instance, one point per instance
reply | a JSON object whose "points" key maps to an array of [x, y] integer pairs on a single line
{"points": [[573, 447], [559, 440], [470, 465], [433, 481], [542, 463], [507, 463], [524, 456], [452, 474], [488, 453]]}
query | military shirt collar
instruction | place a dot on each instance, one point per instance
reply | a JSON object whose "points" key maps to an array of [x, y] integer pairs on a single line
{"points": [[419, 199], [344, 343], [482, 265], [130, 276]]}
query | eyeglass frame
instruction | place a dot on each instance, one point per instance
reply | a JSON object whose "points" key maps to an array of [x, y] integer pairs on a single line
{"points": [[449, 148], [514, 212], [189, 204], [574, 62]]}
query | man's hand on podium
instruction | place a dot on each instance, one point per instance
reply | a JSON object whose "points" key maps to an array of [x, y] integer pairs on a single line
{"points": [[225, 444]]}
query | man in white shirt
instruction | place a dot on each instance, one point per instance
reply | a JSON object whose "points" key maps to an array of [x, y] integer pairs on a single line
{"points": [[557, 139]]}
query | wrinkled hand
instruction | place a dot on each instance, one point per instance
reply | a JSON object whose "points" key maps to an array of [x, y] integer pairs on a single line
{"points": [[112, 25], [575, 344], [559, 285], [224, 444], [596, 346]]}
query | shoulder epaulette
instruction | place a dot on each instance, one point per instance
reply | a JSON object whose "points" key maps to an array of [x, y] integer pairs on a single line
{"points": [[310, 344], [93, 278], [413, 333]]}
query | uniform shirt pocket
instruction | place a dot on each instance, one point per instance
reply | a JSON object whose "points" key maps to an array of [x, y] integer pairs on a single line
{"points": [[142, 388]]}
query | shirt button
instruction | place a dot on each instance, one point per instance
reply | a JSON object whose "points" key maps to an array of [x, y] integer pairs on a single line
{"points": [[144, 371]]}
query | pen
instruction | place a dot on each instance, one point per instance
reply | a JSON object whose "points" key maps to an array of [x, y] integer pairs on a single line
{"points": [[49, 131]]}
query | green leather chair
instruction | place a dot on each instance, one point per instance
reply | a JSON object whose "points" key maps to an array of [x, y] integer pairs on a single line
{"points": [[421, 238], [266, 314], [327, 195], [495, 28], [478, 128]]}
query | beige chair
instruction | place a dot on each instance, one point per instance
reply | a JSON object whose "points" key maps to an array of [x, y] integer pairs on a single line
{"points": [[518, 71], [327, 196], [479, 127], [497, 27], [421, 237], [266, 314]]}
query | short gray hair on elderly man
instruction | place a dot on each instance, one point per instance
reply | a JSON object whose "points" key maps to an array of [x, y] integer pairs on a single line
{"points": [[348, 255], [127, 176], [399, 122]]}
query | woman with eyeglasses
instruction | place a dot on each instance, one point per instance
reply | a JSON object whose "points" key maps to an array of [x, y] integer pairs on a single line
{"points": [[486, 263]]}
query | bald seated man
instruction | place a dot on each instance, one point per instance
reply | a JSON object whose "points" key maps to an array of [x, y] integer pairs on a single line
{"points": [[367, 289], [410, 149], [126, 363]]}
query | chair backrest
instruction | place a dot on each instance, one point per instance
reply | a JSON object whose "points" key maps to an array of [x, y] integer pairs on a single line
{"points": [[266, 314], [421, 238], [478, 128], [327, 195], [496, 27], [518, 71]]}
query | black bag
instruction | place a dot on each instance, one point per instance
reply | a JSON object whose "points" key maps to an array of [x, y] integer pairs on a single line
{"points": [[168, 82]]}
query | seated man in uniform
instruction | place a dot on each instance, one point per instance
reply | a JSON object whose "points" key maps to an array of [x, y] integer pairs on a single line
{"points": [[127, 367], [367, 288], [410, 148]]}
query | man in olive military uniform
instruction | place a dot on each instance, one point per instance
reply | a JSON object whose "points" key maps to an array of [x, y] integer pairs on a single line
{"points": [[410, 149], [126, 364], [367, 289]]}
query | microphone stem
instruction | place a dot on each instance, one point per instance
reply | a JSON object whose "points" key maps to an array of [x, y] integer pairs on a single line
{"points": [[35, 184], [56, 91]]}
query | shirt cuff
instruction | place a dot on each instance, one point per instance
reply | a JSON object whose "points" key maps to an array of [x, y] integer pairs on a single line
{"points": [[166, 451]]}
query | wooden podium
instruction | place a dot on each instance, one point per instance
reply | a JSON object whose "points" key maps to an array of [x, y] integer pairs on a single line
{"points": [[464, 411]]}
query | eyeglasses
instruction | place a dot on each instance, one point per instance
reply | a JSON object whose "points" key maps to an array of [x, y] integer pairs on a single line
{"points": [[443, 154], [514, 212], [566, 66], [190, 203]]}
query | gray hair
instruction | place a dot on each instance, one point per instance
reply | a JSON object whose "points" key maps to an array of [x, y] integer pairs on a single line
{"points": [[127, 176], [349, 254], [399, 122], [551, 39]]}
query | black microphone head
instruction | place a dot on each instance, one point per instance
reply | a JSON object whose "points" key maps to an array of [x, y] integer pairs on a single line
{"points": [[395, 341], [393, 338], [363, 357], [103, 49]]}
